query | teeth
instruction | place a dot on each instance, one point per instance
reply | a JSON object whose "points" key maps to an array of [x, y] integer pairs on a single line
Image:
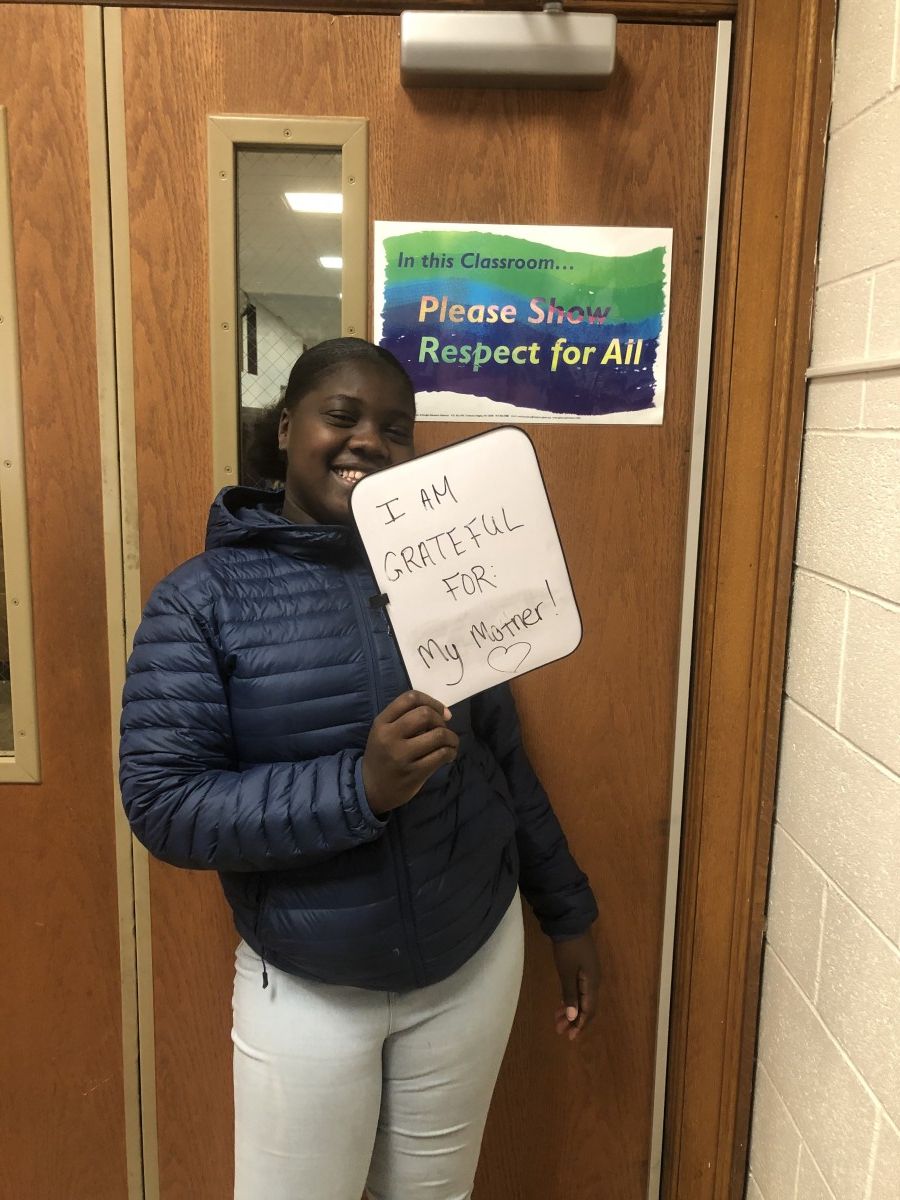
{"points": [[350, 475]]}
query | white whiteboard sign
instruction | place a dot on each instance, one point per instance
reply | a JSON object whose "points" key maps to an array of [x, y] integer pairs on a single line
{"points": [[463, 544]]}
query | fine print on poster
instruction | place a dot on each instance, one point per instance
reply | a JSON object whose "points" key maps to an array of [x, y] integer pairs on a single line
{"points": [[463, 545], [520, 323]]}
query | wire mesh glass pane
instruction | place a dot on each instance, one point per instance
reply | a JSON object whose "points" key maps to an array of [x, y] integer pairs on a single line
{"points": [[289, 207]]}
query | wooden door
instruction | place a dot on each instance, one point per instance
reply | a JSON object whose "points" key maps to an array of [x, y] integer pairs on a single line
{"points": [[566, 1121], [66, 1100]]}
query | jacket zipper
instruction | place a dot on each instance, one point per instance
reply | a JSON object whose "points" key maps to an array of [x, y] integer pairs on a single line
{"points": [[260, 902], [394, 834]]}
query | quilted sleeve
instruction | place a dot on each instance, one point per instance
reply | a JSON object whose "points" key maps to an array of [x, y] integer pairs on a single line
{"points": [[550, 879], [185, 799]]}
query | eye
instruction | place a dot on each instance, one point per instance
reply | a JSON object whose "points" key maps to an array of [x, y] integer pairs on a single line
{"points": [[400, 433], [341, 417]]}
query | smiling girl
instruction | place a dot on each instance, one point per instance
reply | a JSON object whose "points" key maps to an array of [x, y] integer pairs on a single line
{"points": [[370, 843]]}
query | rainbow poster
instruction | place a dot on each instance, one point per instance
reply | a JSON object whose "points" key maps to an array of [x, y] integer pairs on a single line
{"points": [[524, 323]]}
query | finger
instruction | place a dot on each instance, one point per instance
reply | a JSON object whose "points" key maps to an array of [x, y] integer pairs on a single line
{"points": [[587, 997], [438, 758], [569, 983], [583, 1020], [579, 1025], [417, 720], [410, 700], [420, 747], [570, 1028]]}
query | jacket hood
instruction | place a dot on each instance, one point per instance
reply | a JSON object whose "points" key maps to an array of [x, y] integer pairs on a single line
{"points": [[242, 516]]}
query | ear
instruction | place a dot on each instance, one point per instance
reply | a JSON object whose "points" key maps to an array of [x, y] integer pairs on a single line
{"points": [[284, 429]]}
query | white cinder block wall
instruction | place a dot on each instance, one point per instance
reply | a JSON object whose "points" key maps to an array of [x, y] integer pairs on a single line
{"points": [[826, 1119]]}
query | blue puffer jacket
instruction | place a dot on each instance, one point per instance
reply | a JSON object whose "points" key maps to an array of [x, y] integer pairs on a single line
{"points": [[257, 671]]}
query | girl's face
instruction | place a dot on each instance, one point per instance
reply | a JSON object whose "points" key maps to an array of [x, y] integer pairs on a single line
{"points": [[356, 420]]}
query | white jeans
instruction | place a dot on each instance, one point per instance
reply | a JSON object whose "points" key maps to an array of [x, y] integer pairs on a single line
{"points": [[337, 1088]]}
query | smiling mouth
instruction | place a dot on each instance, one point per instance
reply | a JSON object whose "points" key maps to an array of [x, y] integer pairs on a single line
{"points": [[349, 475]]}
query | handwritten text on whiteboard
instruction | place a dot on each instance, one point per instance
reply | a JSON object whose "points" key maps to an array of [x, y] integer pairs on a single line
{"points": [[463, 543]]}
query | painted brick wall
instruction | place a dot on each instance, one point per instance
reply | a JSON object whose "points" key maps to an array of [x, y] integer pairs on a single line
{"points": [[826, 1120]]}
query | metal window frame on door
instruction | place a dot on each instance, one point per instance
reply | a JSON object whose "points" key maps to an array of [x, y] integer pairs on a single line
{"points": [[23, 764], [226, 134]]}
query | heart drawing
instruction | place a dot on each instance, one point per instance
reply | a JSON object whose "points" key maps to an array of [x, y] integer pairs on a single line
{"points": [[508, 659]]}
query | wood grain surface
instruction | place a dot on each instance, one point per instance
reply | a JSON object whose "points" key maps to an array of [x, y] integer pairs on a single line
{"points": [[566, 1121], [61, 1099], [693, 12]]}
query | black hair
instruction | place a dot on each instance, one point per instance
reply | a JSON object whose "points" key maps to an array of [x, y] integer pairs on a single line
{"points": [[262, 460]]}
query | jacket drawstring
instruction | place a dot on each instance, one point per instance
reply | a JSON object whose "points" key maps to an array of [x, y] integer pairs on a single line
{"points": [[265, 973]]}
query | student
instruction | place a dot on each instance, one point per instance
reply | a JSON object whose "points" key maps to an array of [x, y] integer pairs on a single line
{"points": [[370, 843]]}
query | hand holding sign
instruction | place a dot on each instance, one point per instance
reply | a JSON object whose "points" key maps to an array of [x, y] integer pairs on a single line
{"points": [[463, 544], [408, 741]]}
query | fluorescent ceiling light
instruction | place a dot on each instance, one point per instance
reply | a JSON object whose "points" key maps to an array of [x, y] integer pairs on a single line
{"points": [[333, 261], [315, 202]]}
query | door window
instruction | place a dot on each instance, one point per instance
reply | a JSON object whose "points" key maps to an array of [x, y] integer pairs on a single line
{"points": [[289, 248], [288, 262]]}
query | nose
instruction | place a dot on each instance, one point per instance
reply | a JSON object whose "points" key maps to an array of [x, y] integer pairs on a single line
{"points": [[368, 441]]}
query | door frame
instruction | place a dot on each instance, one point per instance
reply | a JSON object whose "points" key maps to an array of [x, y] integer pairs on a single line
{"points": [[774, 180], [778, 114]]}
